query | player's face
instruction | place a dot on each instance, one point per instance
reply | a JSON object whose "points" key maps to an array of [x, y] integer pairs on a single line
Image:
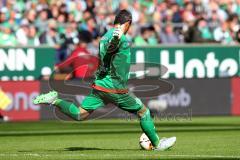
{"points": [[126, 27]]}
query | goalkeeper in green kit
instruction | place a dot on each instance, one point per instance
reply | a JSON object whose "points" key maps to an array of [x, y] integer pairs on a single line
{"points": [[110, 85]]}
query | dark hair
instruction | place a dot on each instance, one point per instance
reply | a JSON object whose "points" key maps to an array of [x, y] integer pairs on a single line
{"points": [[143, 30], [238, 36], [122, 17]]}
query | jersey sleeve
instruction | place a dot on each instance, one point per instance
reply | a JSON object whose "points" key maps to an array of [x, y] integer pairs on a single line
{"points": [[124, 45], [113, 45]]}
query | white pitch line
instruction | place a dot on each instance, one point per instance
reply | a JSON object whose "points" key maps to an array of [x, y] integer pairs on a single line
{"points": [[19, 154], [110, 155], [202, 156]]}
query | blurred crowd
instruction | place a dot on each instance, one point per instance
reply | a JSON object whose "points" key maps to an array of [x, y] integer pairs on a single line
{"points": [[64, 24]]}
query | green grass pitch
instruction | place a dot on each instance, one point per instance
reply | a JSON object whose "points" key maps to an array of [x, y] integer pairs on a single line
{"points": [[201, 138]]}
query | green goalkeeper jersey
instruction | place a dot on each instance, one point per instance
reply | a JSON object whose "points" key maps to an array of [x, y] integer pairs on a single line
{"points": [[114, 64]]}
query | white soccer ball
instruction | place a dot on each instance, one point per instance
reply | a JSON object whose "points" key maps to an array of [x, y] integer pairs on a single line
{"points": [[145, 143]]}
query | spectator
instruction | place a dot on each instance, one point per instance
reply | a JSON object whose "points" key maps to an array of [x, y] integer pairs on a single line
{"points": [[233, 24], [82, 63], [189, 31], [90, 6], [33, 39], [55, 12], [147, 37], [202, 32], [101, 23], [61, 21], [135, 10], [167, 36], [188, 12], [238, 36], [22, 33], [96, 16], [42, 21], [176, 17], [198, 32], [214, 21], [222, 34], [214, 6], [91, 27], [152, 39], [7, 37], [51, 37], [31, 16], [198, 7], [12, 21], [142, 39], [3, 16], [236, 8]]}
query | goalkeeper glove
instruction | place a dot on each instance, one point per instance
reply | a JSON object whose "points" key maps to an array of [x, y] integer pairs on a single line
{"points": [[118, 32]]}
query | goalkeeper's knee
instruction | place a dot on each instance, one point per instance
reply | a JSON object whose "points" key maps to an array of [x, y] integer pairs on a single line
{"points": [[142, 111]]}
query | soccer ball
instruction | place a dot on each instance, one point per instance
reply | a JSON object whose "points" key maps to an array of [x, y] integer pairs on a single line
{"points": [[145, 143]]}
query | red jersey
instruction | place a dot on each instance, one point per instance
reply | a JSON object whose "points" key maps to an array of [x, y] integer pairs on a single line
{"points": [[83, 63]]}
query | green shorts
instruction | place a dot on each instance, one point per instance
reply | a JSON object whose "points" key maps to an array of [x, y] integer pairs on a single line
{"points": [[97, 99]]}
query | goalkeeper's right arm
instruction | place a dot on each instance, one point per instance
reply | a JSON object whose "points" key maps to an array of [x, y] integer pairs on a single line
{"points": [[114, 42]]}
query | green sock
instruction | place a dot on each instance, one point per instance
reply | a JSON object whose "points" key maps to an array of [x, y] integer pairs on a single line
{"points": [[68, 108], [148, 128]]}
